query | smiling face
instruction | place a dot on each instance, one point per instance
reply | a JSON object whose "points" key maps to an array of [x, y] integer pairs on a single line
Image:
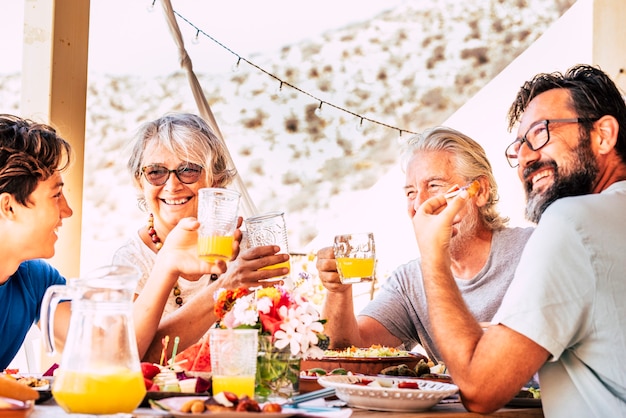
{"points": [[433, 173], [39, 221], [173, 200], [565, 166]]}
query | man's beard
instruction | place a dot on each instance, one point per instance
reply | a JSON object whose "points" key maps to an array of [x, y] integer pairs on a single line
{"points": [[573, 179]]}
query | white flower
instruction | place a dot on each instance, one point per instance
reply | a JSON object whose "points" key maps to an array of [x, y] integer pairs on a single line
{"points": [[245, 311], [313, 352], [287, 335], [264, 304]]}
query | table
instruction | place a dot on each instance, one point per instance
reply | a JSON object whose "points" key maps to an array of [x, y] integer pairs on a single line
{"points": [[453, 410]]}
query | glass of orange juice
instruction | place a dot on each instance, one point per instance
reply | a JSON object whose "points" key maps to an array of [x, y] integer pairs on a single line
{"points": [[356, 257], [217, 213], [233, 360], [268, 229]]}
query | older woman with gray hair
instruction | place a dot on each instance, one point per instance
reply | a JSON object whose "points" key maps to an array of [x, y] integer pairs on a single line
{"points": [[172, 158]]}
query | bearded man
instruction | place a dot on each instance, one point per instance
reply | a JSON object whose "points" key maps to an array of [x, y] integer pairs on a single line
{"points": [[483, 252], [564, 313]]}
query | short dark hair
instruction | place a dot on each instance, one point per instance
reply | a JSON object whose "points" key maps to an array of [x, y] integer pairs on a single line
{"points": [[30, 152], [592, 92]]}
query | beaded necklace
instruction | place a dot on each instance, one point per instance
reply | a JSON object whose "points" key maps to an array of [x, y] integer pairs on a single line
{"points": [[158, 244]]}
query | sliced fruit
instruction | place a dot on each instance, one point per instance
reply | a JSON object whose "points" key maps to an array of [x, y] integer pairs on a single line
{"points": [[149, 370]]}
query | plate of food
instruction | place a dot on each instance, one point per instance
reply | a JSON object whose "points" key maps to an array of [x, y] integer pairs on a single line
{"points": [[308, 378], [388, 393], [221, 406], [367, 361], [157, 396], [42, 384]]}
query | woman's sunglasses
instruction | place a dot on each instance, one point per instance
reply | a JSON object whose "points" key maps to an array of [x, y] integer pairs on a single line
{"points": [[157, 175]]}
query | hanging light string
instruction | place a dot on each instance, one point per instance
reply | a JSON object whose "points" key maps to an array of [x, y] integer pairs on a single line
{"points": [[321, 102]]}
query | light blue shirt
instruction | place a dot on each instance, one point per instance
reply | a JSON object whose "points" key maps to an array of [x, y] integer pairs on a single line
{"points": [[569, 296]]}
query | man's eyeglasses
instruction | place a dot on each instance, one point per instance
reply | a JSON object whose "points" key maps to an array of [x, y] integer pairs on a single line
{"points": [[157, 175], [537, 137]]}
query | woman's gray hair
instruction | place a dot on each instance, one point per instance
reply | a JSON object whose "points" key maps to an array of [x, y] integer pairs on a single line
{"points": [[470, 162], [188, 137]]}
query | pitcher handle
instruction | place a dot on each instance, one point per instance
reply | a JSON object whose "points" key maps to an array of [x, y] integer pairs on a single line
{"points": [[49, 304]]}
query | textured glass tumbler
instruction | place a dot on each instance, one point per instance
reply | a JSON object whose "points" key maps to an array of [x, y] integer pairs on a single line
{"points": [[217, 213], [268, 229], [356, 257], [233, 360]]}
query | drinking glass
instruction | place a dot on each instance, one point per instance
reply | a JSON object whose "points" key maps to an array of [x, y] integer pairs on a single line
{"points": [[217, 213], [356, 257], [233, 360], [268, 229]]}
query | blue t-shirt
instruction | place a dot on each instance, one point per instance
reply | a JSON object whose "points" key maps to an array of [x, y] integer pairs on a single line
{"points": [[20, 302]]}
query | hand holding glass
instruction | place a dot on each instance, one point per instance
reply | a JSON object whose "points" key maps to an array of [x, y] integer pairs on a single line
{"points": [[355, 256], [268, 229], [217, 214]]}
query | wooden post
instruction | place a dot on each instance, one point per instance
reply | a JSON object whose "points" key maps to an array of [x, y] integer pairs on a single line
{"points": [[609, 39], [54, 90]]}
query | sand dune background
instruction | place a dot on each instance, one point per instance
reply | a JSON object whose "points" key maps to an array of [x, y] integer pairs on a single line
{"points": [[410, 67]]}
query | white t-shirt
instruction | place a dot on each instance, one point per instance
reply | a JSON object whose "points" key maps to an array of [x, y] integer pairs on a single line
{"points": [[136, 254]]}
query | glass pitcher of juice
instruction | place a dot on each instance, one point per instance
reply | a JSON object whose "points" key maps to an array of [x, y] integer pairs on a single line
{"points": [[100, 372]]}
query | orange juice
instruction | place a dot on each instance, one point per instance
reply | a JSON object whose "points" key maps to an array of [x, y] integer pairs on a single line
{"points": [[106, 392], [286, 264], [239, 385], [355, 268], [214, 248]]}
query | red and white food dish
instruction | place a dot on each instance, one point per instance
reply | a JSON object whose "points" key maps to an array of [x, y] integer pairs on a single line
{"points": [[388, 393]]}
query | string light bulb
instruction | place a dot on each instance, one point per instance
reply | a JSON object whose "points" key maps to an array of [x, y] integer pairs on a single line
{"points": [[359, 126], [279, 89], [318, 111], [196, 39], [235, 66]]}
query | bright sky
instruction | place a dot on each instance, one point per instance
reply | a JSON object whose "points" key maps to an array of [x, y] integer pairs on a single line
{"points": [[127, 38]]}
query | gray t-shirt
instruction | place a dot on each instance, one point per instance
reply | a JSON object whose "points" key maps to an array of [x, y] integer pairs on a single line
{"points": [[401, 307]]}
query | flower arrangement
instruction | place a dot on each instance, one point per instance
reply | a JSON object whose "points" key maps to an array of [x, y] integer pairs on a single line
{"points": [[287, 317]]}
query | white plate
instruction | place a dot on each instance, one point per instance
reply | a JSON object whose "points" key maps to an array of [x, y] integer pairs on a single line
{"points": [[38, 376], [351, 390], [175, 403]]}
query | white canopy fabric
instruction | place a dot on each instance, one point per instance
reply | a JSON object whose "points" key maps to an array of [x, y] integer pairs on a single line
{"points": [[248, 207]]}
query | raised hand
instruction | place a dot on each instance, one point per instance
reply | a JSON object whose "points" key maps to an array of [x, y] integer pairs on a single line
{"points": [[327, 270], [180, 252]]}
